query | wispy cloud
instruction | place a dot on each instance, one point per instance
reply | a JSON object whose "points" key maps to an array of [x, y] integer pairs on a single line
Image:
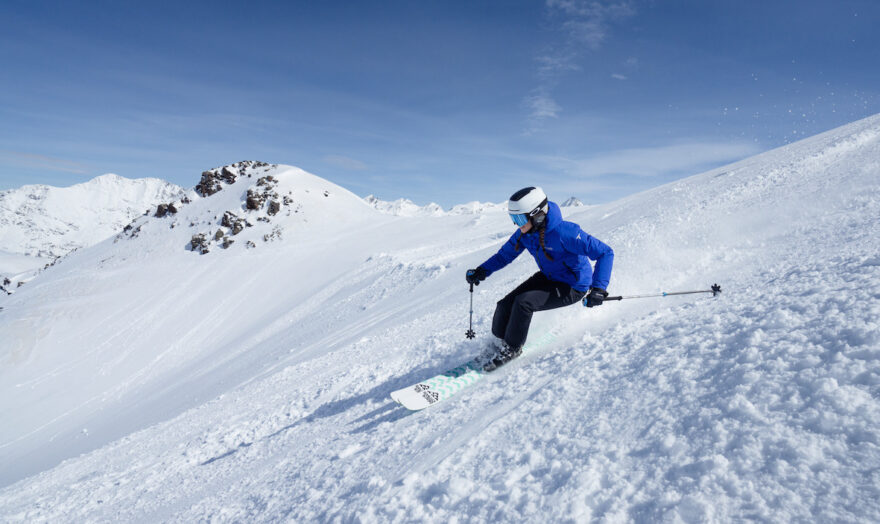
{"points": [[584, 26], [542, 106], [586, 21], [608, 176], [549, 66], [31, 160], [655, 161]]}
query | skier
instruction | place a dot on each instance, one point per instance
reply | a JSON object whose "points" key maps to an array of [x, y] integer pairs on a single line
{"points": [[561, 250]]}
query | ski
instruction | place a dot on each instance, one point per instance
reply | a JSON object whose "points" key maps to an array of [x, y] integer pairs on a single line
{"points": [[440, 387]]}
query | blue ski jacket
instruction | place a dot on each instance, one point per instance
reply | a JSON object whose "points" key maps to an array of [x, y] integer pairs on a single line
{"points": [[570, 248]]}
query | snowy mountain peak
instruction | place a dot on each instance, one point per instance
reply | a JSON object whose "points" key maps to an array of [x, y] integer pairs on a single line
{"points": [[476, 208], [403, 207], [39, 223], [213, 180], [408, 208], [108, 178], [247, 203]]}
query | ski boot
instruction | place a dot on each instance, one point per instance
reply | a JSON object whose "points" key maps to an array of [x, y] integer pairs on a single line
{"points": [[504, 355]]}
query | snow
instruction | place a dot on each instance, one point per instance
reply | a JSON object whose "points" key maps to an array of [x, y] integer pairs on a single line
{"points": [[143, 381], [404, 207], [14, 264], [39, 223], [407, 208]]}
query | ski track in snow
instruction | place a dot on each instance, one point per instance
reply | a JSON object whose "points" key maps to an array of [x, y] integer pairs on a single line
{"points": [[760, 404]]}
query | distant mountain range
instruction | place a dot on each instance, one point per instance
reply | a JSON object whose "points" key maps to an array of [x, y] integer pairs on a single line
{"points": [[406, 207]]}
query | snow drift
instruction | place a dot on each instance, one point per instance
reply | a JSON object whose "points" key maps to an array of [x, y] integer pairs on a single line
{"points": [[251, 382]]}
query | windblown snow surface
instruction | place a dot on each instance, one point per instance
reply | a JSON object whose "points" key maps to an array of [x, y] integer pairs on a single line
{"points": [[142, 381]]}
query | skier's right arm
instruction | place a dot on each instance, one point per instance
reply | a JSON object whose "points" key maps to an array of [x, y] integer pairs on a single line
{"points": [[504, 256]]}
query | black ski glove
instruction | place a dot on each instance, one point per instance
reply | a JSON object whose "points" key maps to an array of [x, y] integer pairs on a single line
{"points": [[595, 297], [474, 276]]}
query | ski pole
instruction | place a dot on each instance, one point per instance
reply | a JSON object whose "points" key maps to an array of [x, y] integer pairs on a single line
{"points": [[714, 290], [470, 332]]}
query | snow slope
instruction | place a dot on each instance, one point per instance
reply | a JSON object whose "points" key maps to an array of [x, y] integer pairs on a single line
{"points": [[39, 223], [252, 384]]}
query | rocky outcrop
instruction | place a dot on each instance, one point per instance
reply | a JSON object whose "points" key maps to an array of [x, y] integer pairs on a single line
{"points": [[129, 231], [263, 192], [260, 202], [275, 234], [213, 180], [164, 210], [199, 243], [235, 223]]}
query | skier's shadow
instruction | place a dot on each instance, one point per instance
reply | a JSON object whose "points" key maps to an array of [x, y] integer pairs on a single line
{"points": [[389, 411]]}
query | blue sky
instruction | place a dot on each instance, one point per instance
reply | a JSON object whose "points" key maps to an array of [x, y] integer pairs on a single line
{"points": [[434, 101]]}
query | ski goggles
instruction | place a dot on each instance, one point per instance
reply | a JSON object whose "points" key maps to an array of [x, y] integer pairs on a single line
{"points": [[520, 219]]}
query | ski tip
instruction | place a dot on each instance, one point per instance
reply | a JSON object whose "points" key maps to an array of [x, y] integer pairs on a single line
{"points": [[412, 398]]}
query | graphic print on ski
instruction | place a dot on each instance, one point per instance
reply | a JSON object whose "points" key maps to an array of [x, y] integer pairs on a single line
{"points": [[440, 387]]}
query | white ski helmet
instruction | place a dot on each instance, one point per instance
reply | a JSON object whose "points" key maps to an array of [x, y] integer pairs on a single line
{"points": [[529, 203]]}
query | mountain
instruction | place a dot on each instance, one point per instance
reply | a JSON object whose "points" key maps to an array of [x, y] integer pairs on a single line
{"points": [[250, 203], [39, 223], [477, 208], [403, 207], [407, 208], [141, 380]]}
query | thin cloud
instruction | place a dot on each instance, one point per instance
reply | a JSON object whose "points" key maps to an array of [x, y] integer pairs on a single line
{"points": [[31, 160], [618, 76], [656, 161], [549, 65], [587, 21], [584, 25], [542, 106]]}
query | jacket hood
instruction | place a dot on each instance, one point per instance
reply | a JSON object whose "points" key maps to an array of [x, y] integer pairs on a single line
{"points": [[554, 216]]}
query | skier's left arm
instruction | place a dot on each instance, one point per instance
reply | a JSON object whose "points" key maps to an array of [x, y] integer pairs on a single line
{"points": [[504, 256], [583, 244]]}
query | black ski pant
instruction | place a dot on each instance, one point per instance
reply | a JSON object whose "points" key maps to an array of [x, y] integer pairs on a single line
{"points": [[513, 314]]}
